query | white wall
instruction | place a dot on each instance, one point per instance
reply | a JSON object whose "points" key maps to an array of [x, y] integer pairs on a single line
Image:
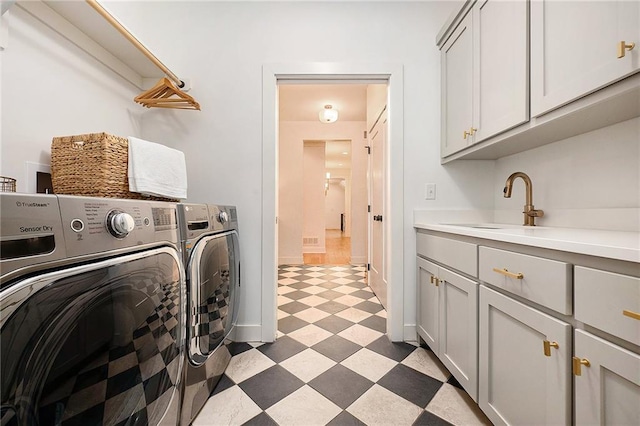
{"points": [[223, 53], [587, 181], [222, 47], [52, 88], [345, 174], [292, 135], [334, 205], [313, 199]]}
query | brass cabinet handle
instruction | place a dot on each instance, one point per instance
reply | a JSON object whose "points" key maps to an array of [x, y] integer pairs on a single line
{"points": [[623, 47], [631, 314], [548, 345], [472, 131], [431, 279], [577, 365], [434, 280], [503, 271], [465, 134]]}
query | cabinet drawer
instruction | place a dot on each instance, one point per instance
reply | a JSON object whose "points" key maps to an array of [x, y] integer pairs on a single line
{"points": [[456, 254], [544, 281], [602, 298]]}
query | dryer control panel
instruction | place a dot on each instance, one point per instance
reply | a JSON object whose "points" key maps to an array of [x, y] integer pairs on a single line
{"points": [[94, 225]]}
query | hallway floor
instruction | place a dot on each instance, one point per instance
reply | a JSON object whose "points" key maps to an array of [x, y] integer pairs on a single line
{"points": [[338, 250], [333, 365]]}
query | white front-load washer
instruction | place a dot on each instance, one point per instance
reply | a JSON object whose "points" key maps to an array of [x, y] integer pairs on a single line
{"points": [[211, 253]]}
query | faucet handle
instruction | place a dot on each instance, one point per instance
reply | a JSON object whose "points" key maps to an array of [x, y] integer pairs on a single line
{"points": [[534, 213]]}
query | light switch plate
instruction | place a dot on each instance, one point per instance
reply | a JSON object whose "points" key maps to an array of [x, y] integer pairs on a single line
{"points": [[430, 191]]}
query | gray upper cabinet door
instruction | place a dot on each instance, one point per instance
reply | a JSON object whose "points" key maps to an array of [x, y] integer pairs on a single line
{"points": [[501, 72], [457, 63], [485, 74], [574, 48]]}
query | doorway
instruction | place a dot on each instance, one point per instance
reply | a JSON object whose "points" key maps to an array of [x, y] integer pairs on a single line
{"points": [[337, 207], [275, 75]]}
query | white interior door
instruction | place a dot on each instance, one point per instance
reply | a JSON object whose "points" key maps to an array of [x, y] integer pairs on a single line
{"points": [[377, 223]]}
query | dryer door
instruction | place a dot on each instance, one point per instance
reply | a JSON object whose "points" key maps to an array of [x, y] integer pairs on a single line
{"points": [[96, 344], [213, 287]]}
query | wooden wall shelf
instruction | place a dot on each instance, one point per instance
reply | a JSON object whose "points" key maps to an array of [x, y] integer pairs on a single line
{"points": [[79, 23]]}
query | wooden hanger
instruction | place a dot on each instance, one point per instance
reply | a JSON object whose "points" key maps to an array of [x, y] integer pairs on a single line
{"points": [[166, 95]]}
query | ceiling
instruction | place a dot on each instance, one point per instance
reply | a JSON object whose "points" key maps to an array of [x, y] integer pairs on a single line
{"points": [[303, 102], [334, 155]]}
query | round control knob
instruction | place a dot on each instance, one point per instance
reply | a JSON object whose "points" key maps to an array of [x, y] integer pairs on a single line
{"points": [[223, 217], [120, 223], [77, 225]]}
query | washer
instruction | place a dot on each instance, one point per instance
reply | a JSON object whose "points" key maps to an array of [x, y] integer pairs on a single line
{"points": [[209, 235], [91, 311]]}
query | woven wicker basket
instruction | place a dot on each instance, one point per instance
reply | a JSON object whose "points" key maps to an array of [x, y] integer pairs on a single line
{"points": [[92, 165]]}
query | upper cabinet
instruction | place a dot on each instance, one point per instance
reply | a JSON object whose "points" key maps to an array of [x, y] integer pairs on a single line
{"points": [[575, 63], [501, 78], [575, 48], [457, 88], [485, 74]]}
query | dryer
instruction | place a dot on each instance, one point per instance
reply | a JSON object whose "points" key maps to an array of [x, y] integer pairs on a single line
{"points": [[91, 311], [211, 253]]}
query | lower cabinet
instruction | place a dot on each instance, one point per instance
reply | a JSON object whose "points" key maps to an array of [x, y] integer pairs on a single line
{"points": [[607, 382], [447, 320], [515, 360], [524, 363]]}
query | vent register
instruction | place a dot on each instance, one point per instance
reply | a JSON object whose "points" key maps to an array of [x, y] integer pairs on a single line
{"points": [[310, 241]]}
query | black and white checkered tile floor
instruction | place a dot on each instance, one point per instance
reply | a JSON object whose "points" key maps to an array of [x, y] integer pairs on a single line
{"points": [[332, 364]]}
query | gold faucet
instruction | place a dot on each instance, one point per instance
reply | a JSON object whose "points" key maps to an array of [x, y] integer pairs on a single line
{"points": [[530, 213]]}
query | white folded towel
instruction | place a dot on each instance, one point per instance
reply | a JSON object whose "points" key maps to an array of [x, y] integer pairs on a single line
{"points": [[155, 169]]}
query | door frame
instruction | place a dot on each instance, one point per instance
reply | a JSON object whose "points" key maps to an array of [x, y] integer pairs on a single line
{"points": [[314, 73]]}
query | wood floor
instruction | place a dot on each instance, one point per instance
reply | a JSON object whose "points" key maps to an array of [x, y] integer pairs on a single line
{"points": [[338, 250]]}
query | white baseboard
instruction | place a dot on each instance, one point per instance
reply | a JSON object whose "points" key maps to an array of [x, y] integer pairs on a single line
{"points": [[247, 333], [410, 333], [290, 260]]}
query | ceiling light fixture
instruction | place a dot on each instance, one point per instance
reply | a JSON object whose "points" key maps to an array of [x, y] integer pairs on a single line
{"points": [[328, 114]]}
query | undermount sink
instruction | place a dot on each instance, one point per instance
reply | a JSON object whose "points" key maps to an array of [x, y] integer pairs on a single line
{"points": [[474, 225]]}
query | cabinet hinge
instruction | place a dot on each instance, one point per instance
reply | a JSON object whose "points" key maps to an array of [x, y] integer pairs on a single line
{"points": [[368, 266], [368, 148], [365, 134], [369, 208]]}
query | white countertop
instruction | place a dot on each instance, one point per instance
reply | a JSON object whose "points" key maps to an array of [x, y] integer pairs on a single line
{"points": [[618, 245]]}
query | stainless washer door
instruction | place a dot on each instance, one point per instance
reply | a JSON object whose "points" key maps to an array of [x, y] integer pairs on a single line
{"points": [[96, 344], [213, 287]]}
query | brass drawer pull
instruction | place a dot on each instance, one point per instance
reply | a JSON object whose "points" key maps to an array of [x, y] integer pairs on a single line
{"points": [[548, 345], [434, 280], [577, 365], [631, 314], [503, 271]]}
